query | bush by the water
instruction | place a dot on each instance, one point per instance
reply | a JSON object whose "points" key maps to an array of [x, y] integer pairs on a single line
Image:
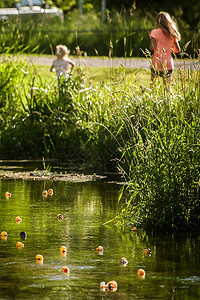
{"points": [[161, 159]]}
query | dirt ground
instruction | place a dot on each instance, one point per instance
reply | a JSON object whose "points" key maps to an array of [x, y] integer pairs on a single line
{"points": [[44, 175]]}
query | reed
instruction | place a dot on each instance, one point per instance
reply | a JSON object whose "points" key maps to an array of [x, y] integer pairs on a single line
{"points": [[160, 157]]}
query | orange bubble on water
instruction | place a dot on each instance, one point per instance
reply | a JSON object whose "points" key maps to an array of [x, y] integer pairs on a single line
{"points": [[45, 193], [63, 250], [50, 192], [39, 258], [111, 285], [123, 261], [19, 245], [65, 270], [103, 286], [7, 194], [4, 233], [18, 219], [59, 217], [147, 251], [99, 248], [141, 272], [134, 229]]}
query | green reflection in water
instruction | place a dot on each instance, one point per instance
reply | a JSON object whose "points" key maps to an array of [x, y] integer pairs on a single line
{"points": [[172, 271]]}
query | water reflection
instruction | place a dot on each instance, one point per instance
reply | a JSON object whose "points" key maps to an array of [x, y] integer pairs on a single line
{"points": [[171, 269]]}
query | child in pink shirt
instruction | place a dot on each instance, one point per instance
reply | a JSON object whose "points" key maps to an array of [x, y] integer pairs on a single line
{"points": [[164, 41]]}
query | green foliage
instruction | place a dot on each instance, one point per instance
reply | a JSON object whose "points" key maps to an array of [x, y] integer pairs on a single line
{"points": [[7, 3], [152, 137], [44, 120], [12, 74], [160, 160], [65, 5], [124, 33]]}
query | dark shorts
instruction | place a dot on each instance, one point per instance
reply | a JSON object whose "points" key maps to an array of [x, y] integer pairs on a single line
{"points": [[162, 73]]}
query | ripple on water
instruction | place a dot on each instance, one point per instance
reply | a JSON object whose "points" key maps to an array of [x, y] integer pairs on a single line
{"points": [[191, 279]]}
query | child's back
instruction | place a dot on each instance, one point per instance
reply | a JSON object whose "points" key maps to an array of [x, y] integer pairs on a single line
{"points": [[62, 64]]}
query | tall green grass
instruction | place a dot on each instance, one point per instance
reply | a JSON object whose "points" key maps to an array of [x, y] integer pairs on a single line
{"points": [[160, 159], [117, 122]]}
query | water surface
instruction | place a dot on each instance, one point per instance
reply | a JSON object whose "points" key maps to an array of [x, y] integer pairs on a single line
{"points": [[172, 270]]}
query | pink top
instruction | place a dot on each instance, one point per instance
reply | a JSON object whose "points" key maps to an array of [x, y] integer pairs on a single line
{"points": [[162, 58]]}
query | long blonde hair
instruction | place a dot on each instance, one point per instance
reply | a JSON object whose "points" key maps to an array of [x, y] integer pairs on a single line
{"points": [[165, 22]]}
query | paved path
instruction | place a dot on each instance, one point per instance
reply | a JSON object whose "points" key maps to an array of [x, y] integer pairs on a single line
{"points": [[132, 63], [95, 61]]}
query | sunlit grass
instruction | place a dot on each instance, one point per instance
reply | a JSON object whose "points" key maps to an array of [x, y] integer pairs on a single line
{"points": [[104, 118], [98, 76]]}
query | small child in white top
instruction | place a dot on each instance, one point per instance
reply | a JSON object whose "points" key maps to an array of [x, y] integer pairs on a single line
{"points": [[63, 65]]}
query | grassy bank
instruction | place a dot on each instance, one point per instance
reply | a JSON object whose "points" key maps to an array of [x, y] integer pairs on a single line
{"points": [[108, 119]]}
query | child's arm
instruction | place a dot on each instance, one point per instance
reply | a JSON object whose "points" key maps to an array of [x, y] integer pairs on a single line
{"points": [[176, 47], [72, 64], [153, 44], [52, 69]]}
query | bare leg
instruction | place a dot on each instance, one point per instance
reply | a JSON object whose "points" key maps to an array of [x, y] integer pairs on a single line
{"points": [[153, 80], [167, 83]]}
